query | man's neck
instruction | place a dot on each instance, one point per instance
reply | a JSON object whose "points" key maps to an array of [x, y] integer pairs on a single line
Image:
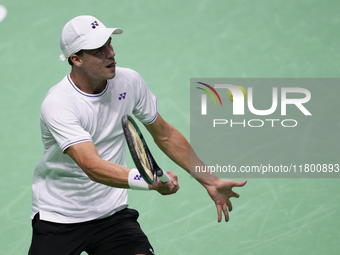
{"points": [[86, 83]]}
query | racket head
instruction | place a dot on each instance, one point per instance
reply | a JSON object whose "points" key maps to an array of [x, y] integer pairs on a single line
{"points": [[139, 150]]}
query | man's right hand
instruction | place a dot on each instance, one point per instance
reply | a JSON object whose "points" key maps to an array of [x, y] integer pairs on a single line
{"points": [[166, 188]]}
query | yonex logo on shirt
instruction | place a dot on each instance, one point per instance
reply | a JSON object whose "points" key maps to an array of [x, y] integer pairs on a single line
{"points": [[94, 24], [122, 96]]}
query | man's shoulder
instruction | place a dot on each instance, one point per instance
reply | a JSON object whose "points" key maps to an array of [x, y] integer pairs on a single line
{"points": [[126, 77], [59, 94]]}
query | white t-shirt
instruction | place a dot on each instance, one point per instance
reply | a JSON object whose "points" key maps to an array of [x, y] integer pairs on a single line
{"points": [[62, 192]]}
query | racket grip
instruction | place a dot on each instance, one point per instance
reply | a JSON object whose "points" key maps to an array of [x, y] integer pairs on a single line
{"points": [[163, 176]]}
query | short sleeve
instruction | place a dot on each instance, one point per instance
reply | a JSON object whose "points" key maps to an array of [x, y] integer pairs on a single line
{"points": [[61, 124], [145, 109]]}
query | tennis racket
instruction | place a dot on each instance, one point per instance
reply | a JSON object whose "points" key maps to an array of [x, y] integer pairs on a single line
{"points": [[141, 154]]}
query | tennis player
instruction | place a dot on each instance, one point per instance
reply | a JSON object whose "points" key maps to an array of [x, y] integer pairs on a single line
{"points": [[80, 184]]}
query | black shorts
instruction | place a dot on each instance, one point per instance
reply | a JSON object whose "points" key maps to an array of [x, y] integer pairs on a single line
{"points": [[118, 234]]}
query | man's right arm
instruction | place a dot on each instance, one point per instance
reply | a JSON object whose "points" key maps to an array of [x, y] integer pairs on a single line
{"points": [[86, 155]]}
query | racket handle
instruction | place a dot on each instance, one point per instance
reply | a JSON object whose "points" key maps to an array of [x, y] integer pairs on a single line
{"points": [[163, 176]]}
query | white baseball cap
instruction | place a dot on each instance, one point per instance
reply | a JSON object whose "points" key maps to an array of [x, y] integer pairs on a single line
{"points": [[84, 33]]}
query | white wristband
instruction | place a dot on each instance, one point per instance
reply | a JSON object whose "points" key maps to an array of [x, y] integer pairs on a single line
{"points": [[136, 181]]}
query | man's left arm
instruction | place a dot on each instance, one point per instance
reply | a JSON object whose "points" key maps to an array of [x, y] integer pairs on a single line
{"points": [[178, 149]]}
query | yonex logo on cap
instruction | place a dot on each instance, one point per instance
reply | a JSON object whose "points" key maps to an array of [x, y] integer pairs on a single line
{"points": [[94, 24]]}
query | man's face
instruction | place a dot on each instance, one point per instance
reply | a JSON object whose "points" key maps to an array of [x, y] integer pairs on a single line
{"points": [[100, 63]]}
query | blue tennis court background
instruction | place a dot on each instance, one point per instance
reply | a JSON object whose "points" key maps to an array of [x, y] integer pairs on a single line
{"points": [[169, 42]]}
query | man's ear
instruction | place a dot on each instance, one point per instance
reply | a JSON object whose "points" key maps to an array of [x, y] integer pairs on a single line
{"points": [[76, 60]]}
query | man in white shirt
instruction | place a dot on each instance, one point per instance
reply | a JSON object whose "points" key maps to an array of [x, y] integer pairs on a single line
{"points": [[79, 186]]}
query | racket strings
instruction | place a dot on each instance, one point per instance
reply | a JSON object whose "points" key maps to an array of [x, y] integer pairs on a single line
{"points": [[139, 147]]}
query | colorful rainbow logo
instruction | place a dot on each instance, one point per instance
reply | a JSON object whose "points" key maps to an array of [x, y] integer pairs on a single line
{"points": [[208, 92]]}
